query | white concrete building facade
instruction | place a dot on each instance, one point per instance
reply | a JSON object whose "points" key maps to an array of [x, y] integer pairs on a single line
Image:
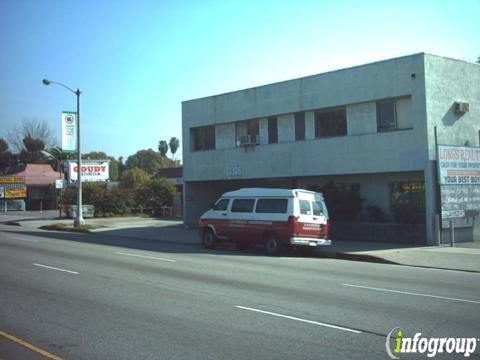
{"points": [[371, 126]]}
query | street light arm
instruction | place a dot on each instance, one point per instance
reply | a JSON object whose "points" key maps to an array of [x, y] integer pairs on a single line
{"points": [[48, 82]]}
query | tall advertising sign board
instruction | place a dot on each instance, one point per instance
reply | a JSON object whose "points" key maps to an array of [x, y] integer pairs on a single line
{"points": [[459, 178], [92, 170], [69, 128]]}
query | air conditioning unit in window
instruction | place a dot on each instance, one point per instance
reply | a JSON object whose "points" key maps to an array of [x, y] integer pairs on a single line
{"points": [[461, 107], [246, 140]]}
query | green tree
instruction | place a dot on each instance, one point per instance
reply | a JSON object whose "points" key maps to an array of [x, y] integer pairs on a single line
{"points": [[114, 166], [31, 152], [7, 159], [154, 194], [134, 178], [121, 166], [34, 129], [163, 148], [3, 145], [149, 160], [174, 145]]}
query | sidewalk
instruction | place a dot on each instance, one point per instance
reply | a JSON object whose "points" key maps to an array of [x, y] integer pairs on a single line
{"points": [[464, 258]]}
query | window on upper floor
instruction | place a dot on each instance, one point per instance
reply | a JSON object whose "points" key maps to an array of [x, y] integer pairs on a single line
{"points": [[272, 130], [386, 115], [330, 122], [300, 126], [247, 132], [203, 138]]}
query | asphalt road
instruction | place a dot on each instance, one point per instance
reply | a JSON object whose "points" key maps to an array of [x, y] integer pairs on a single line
{"points": [[76, 296]]}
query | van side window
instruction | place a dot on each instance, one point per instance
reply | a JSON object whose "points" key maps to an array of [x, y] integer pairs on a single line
{"points": [[221, 205], [273, 206], [305, 207], [243, 205], [317, 208]]}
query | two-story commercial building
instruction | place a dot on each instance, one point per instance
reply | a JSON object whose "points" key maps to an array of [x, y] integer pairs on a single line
{"points": [[370, 127]]}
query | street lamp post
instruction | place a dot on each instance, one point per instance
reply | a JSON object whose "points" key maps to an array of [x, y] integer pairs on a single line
{"points": [[79, 216]]}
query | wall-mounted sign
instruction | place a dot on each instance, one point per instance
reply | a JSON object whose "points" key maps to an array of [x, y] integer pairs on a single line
{"points": [[69, 131], [12, 187], [60, 184], [91, 170], [16, 193], [458, 165], [12, 180]]}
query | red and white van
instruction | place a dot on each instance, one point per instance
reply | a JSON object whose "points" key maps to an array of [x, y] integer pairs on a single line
{"points": [[274, 217]]}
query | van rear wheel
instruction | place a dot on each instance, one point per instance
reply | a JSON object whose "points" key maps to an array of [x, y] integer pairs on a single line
{"points": [[209, 239], [272, 245]]}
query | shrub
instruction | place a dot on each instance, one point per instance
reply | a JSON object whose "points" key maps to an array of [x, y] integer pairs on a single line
{"points": [[155, 194], [343, 203], [134, 178], [117, 202], [151, 194], [406, 213]]}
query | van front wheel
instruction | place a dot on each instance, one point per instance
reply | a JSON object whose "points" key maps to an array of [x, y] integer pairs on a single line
{"points": [[209, 239], [272, 245]]}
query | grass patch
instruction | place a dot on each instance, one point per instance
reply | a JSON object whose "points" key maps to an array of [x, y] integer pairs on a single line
{"points": [[70, 228]]}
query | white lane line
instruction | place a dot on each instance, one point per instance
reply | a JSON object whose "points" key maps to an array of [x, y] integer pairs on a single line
{"points": [[412, 293], [145, 257], [299, 319], [55, 268]]}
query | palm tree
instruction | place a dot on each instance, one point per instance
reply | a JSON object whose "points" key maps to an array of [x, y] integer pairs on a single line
{"points": [[174, 145], [163, 148]]}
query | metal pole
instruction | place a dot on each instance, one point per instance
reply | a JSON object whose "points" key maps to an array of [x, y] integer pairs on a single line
{"points": [[438, 188], [452, 234], [437, 229], [79, 218]]}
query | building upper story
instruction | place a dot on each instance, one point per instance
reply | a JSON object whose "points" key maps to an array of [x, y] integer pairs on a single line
{"points": [[373, 118]]}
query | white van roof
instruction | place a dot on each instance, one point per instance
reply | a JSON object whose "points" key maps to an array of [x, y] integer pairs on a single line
{"points": [[266, 192]]}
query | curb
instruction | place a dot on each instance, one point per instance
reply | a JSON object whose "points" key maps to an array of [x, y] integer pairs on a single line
{"points": [[379, 260], [326, 254]]}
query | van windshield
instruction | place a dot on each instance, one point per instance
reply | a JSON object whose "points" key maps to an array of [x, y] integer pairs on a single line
{"points": [[222, 205]]}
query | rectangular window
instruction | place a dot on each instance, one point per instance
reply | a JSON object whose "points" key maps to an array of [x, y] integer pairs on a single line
{"points": [[272, 130], [253, 127], [247, 132], [305, 207], [203, 138], [243, 205], [386, 115], [300, 126], [272, 206], [317, 207], [332, 122], [221, 205]]}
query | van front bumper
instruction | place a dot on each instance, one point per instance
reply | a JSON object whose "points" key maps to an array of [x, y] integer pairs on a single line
{"points": [[309, 241]]}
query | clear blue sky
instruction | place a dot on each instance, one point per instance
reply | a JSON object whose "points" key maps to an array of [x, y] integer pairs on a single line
{"points": [[136, 61]]}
